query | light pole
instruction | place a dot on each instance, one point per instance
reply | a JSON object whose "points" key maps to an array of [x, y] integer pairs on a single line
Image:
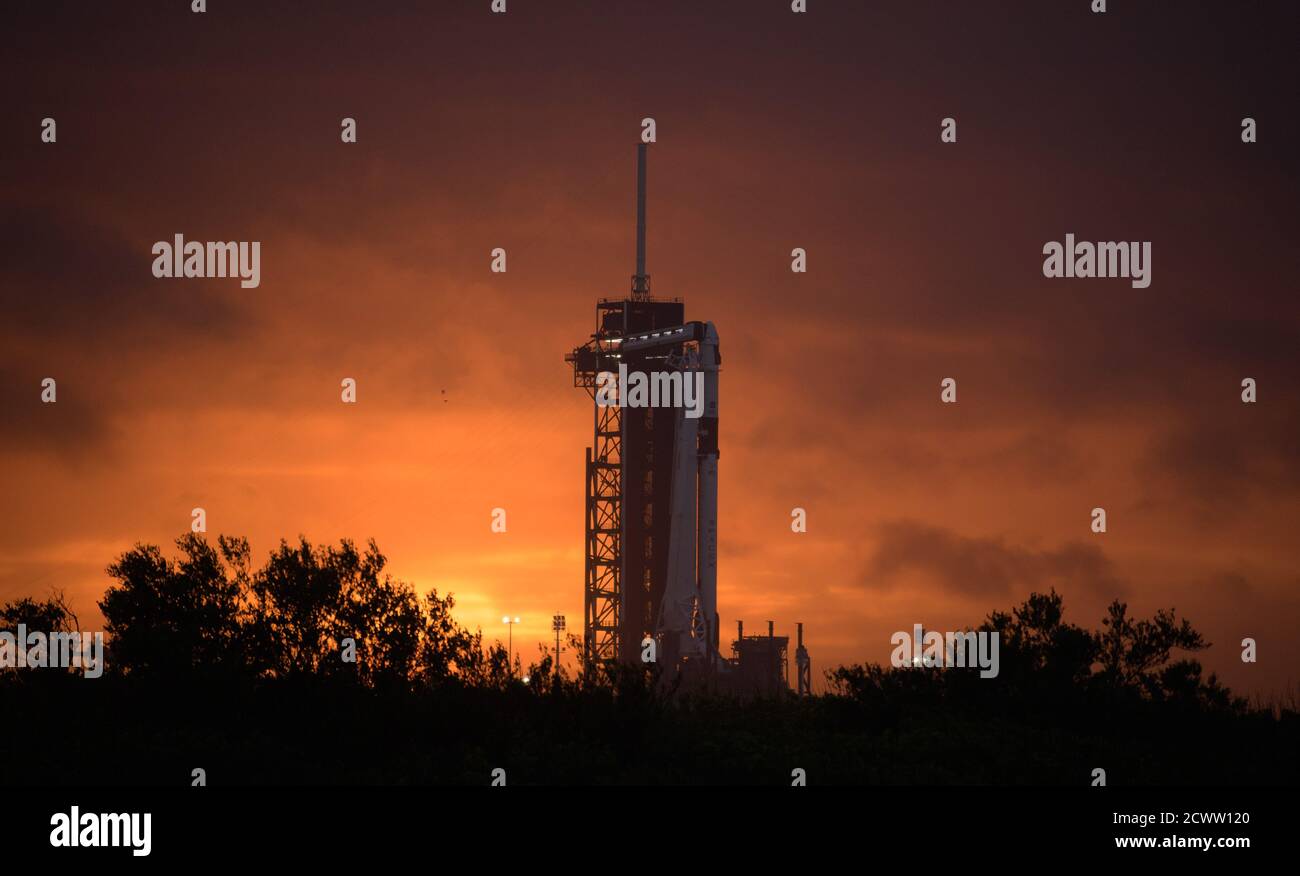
{"points": [[510, 625], [557, 624]]}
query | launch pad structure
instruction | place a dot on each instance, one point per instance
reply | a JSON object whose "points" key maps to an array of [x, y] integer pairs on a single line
{"points": [[651, 499]]}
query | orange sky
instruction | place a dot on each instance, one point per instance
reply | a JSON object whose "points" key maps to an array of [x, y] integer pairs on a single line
{"points": [[773, 132]]}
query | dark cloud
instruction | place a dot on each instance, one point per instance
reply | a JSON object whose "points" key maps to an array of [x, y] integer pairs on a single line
{"points": [[1213, 458], [73, 283], [987, 567], [75, 427]]}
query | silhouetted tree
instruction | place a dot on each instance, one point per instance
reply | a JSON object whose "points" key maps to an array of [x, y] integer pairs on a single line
{"points": [[427, 701], [50, 616], [1042, 656], [307, 601], [448, 650], [168, 616], [1133, 653], [1035, 643], [209, 610]]}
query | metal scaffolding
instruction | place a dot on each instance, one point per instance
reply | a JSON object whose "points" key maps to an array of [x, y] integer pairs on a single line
{"points": [[602, 591]]}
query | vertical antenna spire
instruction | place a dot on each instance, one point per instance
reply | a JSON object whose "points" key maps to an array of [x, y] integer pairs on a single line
{"points": [[640, 280]]}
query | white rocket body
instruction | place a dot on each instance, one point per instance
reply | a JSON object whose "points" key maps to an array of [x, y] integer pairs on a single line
{"points": [[689, 611]]}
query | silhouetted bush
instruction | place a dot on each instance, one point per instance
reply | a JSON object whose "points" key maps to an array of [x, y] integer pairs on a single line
{"points": [[238, 670]]}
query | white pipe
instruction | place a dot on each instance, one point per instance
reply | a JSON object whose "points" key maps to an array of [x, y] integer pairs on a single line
{"points": [[707, 517]]}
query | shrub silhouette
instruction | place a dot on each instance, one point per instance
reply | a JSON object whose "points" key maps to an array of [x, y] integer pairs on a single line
{"points": [[212, 661], [175, 616], [209, 613]]}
